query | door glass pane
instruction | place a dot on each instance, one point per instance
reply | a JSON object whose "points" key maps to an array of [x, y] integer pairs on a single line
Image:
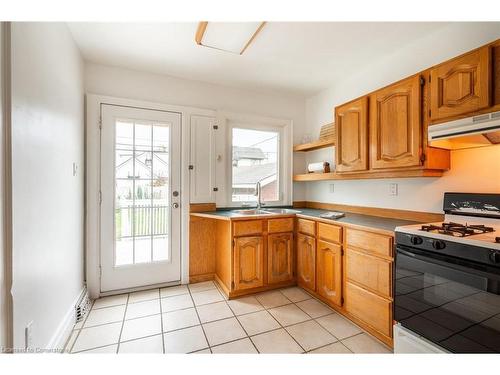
{"points": [[161, 192], [255, 159], [142, 205]]}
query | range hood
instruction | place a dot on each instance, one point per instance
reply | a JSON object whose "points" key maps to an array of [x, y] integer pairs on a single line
{"points": [[476, 131]]}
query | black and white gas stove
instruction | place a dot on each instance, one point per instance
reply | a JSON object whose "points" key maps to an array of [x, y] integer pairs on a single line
{"points": [[447, 279]]}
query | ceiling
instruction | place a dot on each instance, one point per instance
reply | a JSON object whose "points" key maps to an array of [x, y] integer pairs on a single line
{"points": [[299, 58]]}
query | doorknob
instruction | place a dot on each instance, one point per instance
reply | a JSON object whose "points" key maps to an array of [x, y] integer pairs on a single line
{"points": [[175, 205]]}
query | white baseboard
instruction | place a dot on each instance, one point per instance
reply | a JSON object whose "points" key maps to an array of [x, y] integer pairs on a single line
{"points": [[63, 331]]}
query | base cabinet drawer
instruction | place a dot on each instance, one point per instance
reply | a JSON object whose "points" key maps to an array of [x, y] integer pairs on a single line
{"points": [[329, 233], [374, 243], [280, 225], [373, 273], [247, 228], [370, 308], [306, 227]]}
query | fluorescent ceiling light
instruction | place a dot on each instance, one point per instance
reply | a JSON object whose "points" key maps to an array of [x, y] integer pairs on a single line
{"points": [[234, 37]]}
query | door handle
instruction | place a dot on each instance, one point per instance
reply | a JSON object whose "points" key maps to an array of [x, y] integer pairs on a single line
{"points": [[175, 205]]}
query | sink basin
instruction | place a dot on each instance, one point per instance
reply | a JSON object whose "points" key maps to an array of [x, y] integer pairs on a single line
{"points": [[250, 212], [282, 211]]}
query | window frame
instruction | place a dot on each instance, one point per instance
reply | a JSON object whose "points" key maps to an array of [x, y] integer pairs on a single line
{"points": [[284, 159]]}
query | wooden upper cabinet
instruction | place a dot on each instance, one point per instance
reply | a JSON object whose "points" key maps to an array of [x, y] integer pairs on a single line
{"points": [[279, 257], [461, 85], [306, 261], [351, 143], [329, 272], [248, 262], [395, 125]]}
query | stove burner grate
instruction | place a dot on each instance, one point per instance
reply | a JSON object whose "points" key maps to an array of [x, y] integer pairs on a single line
{"points": [[457, 230]]}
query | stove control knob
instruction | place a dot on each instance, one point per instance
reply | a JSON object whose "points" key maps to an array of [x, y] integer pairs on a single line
{"points": [[416, 240], [438, 244], [495, 256]]}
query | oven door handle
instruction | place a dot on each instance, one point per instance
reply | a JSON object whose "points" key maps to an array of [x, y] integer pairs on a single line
{"points": [[407, 253]]}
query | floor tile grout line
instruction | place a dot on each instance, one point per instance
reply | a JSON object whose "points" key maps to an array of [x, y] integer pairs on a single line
{"points": [[201, 325], [97, 347], [320, 316], [161, 321], [190, 292], [244, 330], [123, 324], [332, 343], [282, 327]]}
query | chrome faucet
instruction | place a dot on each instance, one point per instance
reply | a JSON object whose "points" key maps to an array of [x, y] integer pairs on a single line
{"points": [[258, 191]]}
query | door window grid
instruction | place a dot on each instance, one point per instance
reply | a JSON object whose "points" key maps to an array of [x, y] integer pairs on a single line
{"points": [[146, 226]]}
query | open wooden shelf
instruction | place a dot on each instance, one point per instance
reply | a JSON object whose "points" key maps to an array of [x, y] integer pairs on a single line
{"points": [[367, 175], [316, 145]]}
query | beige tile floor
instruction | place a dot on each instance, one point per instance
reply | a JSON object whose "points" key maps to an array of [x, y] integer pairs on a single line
{"points": [[198, 319]]}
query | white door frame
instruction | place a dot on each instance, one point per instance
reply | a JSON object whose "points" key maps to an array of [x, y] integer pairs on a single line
{"points": [[93, 156]]}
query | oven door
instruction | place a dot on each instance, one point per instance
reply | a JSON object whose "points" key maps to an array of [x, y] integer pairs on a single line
{"points": [[450, 302]]}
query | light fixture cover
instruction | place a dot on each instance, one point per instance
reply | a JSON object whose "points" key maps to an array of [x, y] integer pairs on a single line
{"points": [[228, 36]]}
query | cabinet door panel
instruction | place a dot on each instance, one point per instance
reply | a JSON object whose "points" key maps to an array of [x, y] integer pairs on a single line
{"points": [[248, 262], [306, 261], [279, 258], [461, 85], [203, 159], [352, 136], [329, 272], [395, 125]]}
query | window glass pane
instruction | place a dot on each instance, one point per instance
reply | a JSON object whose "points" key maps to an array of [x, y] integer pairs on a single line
{"points": [[142, 204], [255, 159], [124, 135]]}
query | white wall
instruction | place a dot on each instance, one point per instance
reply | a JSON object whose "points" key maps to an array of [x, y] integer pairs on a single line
{"points": [[472, 170], [48, 216], [131, 84], [3, 276]]}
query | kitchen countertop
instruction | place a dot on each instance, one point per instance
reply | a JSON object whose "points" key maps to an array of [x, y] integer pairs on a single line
{"points": [[350, 219]]}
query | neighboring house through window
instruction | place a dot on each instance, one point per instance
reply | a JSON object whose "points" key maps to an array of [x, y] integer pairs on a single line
{"points": [[257, 156]]}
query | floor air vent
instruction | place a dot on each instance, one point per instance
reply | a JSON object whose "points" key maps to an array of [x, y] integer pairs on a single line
{"points": [[82, 307]]}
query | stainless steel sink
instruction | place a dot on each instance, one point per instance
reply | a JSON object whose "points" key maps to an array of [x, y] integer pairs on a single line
{"points": [[250, 212], [267, 211], [282, 211]]}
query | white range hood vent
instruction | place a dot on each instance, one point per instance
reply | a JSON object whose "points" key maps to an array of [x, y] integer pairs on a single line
{"points": [[476, 131]]}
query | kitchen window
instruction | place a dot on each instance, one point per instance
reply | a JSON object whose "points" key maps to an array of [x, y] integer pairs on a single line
{"points": [[258, 155]]}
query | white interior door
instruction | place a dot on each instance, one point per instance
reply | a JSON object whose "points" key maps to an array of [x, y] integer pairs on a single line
{"points": [[140, 187]]}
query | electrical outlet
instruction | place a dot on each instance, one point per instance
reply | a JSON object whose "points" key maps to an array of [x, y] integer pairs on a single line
{"points": [[331, 188], [393, 189], [28, 336], [75, 169]]}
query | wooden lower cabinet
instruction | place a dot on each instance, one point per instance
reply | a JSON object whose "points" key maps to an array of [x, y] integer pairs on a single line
{"points": [[373, 273], [306, 261], [329, 272], [279, 257], [248, 262], [372, 309], [368, 272]]}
